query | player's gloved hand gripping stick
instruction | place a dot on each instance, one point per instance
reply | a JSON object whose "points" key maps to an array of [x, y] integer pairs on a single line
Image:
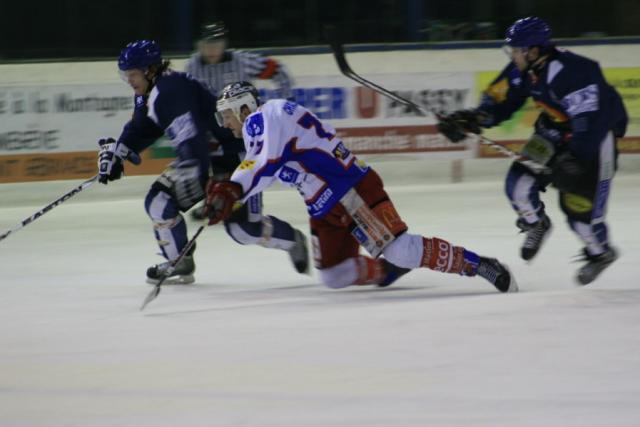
{"points": [[343, 65]]}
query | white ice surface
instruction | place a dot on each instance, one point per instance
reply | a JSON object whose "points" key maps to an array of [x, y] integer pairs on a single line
{"points": [[254, 344]]}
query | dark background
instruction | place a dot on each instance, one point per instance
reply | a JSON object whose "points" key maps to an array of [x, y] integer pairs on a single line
{"points": [[86, 28]]}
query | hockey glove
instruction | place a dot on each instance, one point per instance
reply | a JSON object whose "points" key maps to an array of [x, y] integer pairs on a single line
{"points": [[456, 125], [567, 172], [221, 196], [110, 159]]}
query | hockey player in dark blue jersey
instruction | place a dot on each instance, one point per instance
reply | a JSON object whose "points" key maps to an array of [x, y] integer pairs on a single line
{"points": [[173, 104], [574, 135]]}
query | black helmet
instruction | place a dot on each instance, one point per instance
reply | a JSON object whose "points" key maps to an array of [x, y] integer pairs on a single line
{"points": [[213, 32]]}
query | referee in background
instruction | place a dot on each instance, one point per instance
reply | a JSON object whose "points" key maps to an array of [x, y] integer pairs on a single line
{"points": [[216, 66]]}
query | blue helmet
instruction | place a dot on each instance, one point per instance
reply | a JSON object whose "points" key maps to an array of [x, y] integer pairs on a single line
{"points": [[139, 54], [526, 32]]}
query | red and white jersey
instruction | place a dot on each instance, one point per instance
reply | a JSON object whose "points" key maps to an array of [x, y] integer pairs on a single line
{"points": [[286, 141]]}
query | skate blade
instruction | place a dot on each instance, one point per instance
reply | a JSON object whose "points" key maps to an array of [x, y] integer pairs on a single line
{"points": [[175, 280]]}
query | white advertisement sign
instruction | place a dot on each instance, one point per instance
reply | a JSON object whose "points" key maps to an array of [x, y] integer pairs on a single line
{"points": [[44, 119]]}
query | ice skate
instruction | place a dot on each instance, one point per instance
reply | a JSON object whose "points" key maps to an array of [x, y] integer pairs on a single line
{"points": [[537, 233], [181, 275], [595, 265], [299, 254], [498, 274], [392, 273]]}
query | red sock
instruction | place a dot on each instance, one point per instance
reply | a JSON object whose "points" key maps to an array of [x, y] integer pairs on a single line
{"points": [[440, 255]]}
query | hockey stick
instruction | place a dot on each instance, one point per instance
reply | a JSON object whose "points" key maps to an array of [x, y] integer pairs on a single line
{"points": [[172, 266], [341, 59], [50, 206]]}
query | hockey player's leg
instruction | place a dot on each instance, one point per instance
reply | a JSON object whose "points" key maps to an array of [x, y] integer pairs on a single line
{"points": [[412, 251], [585, 204], [336, 256], [406, 251], [523, 188], [248, 226], [171, 234], [360, 271]]}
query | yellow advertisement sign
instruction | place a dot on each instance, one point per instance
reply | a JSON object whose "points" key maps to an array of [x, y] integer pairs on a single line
{"points": [[627, 83], [519, 127]]}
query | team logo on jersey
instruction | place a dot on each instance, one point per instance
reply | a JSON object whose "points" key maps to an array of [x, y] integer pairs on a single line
{"points": [[288, 174], [341, 152], [247, 165], [289, 107], [255, 125], [581, 101]]}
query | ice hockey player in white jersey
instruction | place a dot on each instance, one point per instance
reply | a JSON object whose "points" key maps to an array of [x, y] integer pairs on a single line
{"points": [[176, 105], [346, 201]]}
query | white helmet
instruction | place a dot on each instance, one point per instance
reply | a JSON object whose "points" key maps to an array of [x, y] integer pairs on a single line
{"points": [[234, 96]]}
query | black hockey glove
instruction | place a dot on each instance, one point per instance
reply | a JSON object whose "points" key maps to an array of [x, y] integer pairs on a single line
{"points": [[110, 166], [456, 125], [110, 159], [567, 172]]}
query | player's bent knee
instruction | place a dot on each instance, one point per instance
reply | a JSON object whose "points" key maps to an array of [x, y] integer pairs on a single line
{"points": [[340, 275], [405, 251]]}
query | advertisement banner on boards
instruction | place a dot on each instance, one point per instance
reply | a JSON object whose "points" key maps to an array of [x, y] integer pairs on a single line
{"points": [[63, 118]]}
